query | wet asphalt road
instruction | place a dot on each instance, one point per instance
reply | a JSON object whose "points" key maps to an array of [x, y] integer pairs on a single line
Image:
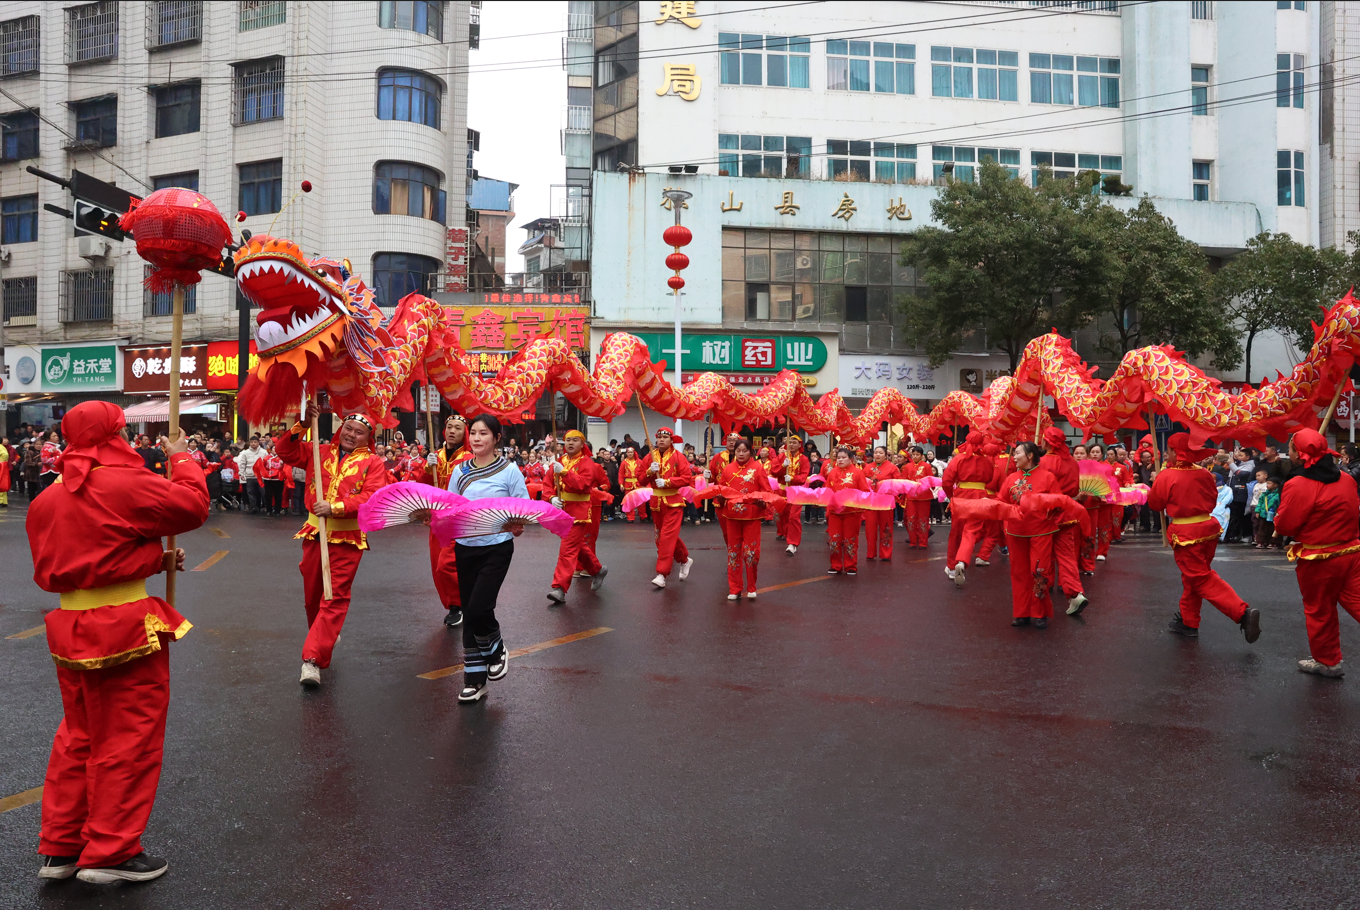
{"points": [[881, 741]]}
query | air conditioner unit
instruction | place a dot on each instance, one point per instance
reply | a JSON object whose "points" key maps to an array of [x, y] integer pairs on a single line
{"points": [[92, 247]]}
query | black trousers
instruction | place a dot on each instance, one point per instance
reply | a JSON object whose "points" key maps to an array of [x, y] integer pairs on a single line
{"points": [[273, 496], [481, 571]]}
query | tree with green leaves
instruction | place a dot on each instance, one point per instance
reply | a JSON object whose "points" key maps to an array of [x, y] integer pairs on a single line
{"points": [[1004, 258], [1280, 284]]}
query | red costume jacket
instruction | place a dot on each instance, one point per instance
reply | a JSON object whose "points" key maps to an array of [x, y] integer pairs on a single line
{"points": [[96, 548], [675, 470], [851, 478], [877, 473], [630, 474], [748, 478], [969, 477], [1321, 517], [1065, 471], [447, 461], [573, 486], [783, 465], [347, 483], [914, 470], [1187, 494], [1017, 485]]}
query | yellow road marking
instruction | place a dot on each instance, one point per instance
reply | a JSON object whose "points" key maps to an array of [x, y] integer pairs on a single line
{"points": [[522, 652], [220, 533], [210, 561], [37, 630], [20, 800], [792, 584]]}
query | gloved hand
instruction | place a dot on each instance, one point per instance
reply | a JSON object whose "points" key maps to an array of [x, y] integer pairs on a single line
{"points": [[788, 478], [661, 481], [708, 475], [432, 459], [654, 468], [558, 467], [557, 502]]}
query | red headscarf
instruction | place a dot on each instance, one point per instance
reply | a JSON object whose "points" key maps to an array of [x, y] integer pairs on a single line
{"points": [[91, 429], [1311, 446], [1180, 444], [1057, 442]]}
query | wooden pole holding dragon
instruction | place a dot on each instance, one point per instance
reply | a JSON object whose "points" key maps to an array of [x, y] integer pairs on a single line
{"points": [[321, 534], [173, 431]]}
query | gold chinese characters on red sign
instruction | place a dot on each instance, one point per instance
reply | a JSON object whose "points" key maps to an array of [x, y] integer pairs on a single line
{"points": [[509, 328]]}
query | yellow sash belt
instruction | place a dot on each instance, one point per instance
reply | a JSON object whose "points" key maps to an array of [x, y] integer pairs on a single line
{"points": [[108, 596], [972, 485], [1191, 520], [573, 497], [333, 523]]}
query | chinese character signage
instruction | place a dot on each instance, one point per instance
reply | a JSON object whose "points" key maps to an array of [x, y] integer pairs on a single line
{"points": [[456, 259], [506, 329], [148, 369], [91, 367], [864, 374], [718, 353], [223, 357]]}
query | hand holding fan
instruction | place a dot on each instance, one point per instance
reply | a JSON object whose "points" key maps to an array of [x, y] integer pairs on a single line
{"points": [[484, 517], [899, 486], [405, 503], [1097, 480], [635, 499], [878, 502]]}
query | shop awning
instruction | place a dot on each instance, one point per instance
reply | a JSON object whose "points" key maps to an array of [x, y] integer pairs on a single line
{"points": [[158, 410]]}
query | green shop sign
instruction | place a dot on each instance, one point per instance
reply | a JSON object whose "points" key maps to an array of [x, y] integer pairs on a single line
{"points": [[738, 353], [87, 367]]}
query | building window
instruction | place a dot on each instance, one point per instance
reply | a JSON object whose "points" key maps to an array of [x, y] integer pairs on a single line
{"points": [[858, 160], [409, 95], [397, 274], [894, 162], [1286, 4], [424, 16], [177, 108], [1107, 165], [618, 62], [19, 136], [1051, 80], [185, 180], [1289, 178], [880, 66], [1063, 165], [20, 219], [19, 52], [1289, 80], [533, 266], [261, 187], [407, 189], [21, 301], [163, 304], [255, 14], [96, 123], [952, 70], [764, 156], [960, 162], [257, 91], [92, 32], [764, 60], [1201, 9], [1199, 91], [175, 22], [86, 295], [1202, 176]]}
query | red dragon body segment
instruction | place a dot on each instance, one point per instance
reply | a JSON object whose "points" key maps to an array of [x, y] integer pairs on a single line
{"points": [[320, 324]]}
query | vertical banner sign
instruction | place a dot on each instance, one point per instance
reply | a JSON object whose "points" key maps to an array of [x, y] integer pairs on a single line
{"points": [[456, 260]]}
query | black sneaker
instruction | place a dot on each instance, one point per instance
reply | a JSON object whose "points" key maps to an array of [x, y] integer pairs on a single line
{"points": [[472, 691], [141, 868], [597, 580], [850, 572], [1040, 622], [453, 618], [1251, 624], [499, 664], [1020, 621], [1179, 627], [58, 867]]}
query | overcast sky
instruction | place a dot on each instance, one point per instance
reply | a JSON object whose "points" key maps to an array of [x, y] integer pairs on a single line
{"points": [[517, 90]]}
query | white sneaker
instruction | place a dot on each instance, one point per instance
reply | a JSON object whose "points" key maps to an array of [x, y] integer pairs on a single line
{"points": [[750, 595], [311, 676], [685, 567], [1100, 559], [659, 581], [1320, 669], [731, 597], [959, 577], [949, 573], [791, 549], [979, 561]]}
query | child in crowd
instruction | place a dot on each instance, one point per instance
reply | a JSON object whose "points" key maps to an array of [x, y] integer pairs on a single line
{"points": [[1266, 505]]}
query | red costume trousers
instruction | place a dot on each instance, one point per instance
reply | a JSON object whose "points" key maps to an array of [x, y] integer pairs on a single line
{"points": [[1104, 528], [791, 520], [1066, 552], [878, 533], [106, 760], [444, 567], [1324, 583], [326, 618], [743, 553], [1087, 555], [917, 513], [1031, 575], [842, 533], [993, 536], [575, 550], [1200, 583], [670, 549], [964, 536]]}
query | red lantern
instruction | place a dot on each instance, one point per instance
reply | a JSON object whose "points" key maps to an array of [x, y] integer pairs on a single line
{"points": [[677, 235], [677, 261], [178, 231], [675, 282]]}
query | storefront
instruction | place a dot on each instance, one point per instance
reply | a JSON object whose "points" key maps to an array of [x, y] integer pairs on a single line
{"points": [[146, 372], [42, 382]]}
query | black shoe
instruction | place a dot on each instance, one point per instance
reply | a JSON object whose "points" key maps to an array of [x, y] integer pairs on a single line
{"points": [[472, 691], [498, 665], [1020, 621], [1251, 624], [833, 571], [58, 867], [850, 572], [141, 868], [597, 580], [1040, 622], [453, 618], [1179, 627]]}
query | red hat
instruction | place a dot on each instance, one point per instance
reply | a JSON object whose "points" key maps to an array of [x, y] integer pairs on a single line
{"points": [[667, 430], [1311, 446], [1180, 444], [675, 439], [91, 431], [1055, 437]]}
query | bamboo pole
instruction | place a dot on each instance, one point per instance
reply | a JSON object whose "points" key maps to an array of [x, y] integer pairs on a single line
{"points": [[1331, 409], [173, 431], [1039, 416], [642, 412], [1157, 464], [321, 534]]}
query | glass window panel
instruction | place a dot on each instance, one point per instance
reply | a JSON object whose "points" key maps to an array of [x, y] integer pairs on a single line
{"points": [[773, 143], [838, 166], [860, 168], [832, 241], [805, 241], [1298, 89], [731, 69], [986, 87], [1088, 91], [963, 153], [860, 148], [781, 240], [880, 244], [906, 78], [882, 49], [757, 301], [831, 301], [856, 243], [1009, 156], [903, 275], [880, 304], [1038, 158], [1298, 160], [1040, 88], [1109, 92], [781, 302], [728, 40], [906, 52], [757, 265], [884, 149], [1109, 64], [837, 147], [1061, 159], [836, 47], [906, 150], [941, 81], [942, 153], [752, 42], [750, 69], [833, 267], [883, 75], [733, 263], [1088, 162], [1199, 74], [804, 265], [1283, 186], [963, 82], [751, 143], [859, 48], [783, 265], [880, 267], [758, 240], [774, 43], [1201, 170], [964, 173], [798, 72], [859, 75], [1062, 62], [1112, 162], [752, 166], [1201, 192], [1282, 159], [734, 301], [906, 170], [986, 58], [728, 141], [837, 74], [963, 55], [1062, 88], [800, 45], [1040, 61], [733, 238], [856, 268], [943, 54], [805, 302], [728, 165], [1008, 58]]}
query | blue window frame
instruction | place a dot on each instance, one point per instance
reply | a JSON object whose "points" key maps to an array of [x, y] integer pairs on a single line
{"points": [[764, 60], [261, 187], [409, 95], [20, 219]]}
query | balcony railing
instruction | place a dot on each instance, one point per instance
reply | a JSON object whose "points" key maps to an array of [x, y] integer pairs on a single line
{"points": [[91, 32], [19, 46], [87, 295], [21, 301], [172, 22], [578, 118]]}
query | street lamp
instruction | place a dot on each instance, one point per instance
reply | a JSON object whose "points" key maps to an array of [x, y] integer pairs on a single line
{"points": [[677, 235]]}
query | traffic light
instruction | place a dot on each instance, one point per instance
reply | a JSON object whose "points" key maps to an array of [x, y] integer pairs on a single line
{"points": [[98, 204], [95, 220]]}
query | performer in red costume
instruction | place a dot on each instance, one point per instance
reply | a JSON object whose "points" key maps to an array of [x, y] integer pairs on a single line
{"points": [[95, 536], [969, 475], [534, 479], [350, 474], [993, 532], [1319, 509], [1186, 492], [1086, 556], [1123, 472], [1103, 528], [630, 478], [599, 496], [918, 504], [443, 563], [878, 526], [717, 466], [1059, 462], [791, 469], [744, 517], [575, 475], [842, 522], [667, 471], [1029, 539]]}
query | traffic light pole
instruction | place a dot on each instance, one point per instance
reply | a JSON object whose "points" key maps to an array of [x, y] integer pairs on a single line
{"points": [[242, 357]]}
